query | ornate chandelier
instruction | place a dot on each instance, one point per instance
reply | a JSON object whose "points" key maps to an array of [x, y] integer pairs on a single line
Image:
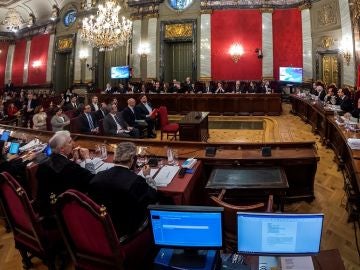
{"points": [[12, 20], [105, 30]]}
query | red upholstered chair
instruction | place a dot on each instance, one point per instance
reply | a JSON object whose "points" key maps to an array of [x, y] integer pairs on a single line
{"points": [[91, 238], [165, 126], [31, 238], [75, 124]]}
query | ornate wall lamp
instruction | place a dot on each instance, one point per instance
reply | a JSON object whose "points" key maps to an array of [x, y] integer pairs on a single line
{"points": [[83, 55], [54, 13], [144, 49], [346, 49], [236, 51]]}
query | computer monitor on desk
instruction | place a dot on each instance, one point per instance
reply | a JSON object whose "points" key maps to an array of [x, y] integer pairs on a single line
{"points": [[279, 234], [189, 230]]}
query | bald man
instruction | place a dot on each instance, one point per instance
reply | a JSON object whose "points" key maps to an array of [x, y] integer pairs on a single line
{"points": [[129, 116]]}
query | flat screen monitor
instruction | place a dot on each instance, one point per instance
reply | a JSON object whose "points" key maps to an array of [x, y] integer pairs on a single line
{"points": [[191, 229], [120, 72], [5, 136], [291, 74], [14, 148], [47, 151], [279, 234]]}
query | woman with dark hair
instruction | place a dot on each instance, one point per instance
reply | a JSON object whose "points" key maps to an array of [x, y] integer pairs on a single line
{"points": [[59, 120], [39, 118], [12, 111]]}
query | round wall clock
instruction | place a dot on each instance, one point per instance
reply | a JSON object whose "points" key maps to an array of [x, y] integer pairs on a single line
{"points": [[70, 17], [180, 4]]}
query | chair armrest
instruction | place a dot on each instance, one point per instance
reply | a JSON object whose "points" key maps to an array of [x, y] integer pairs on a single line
{"points": [[270, 204], [236, 207], [127, 237]]}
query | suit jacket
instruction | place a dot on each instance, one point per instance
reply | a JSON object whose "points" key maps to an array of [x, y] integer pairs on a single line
{"points": [[33, 104], [110, 127], [322, 95], [9, 87], [126, 196], [93, 107], [100, 114], [346, 104], [129, 116], [70, 106], [141, 112], [84, 123], [57, 175]]}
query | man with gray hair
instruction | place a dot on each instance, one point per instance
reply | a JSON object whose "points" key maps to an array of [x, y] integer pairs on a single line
{"points": [[59, 173], [125, 194]]}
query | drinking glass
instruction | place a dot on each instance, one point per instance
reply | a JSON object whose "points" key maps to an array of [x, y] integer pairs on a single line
{"points": [[97, 151]]}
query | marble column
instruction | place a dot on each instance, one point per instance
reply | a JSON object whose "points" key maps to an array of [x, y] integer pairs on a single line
{"points": [[267, 45], [348, 40], [26, 61], [77, 62], [151, 57], [9, 62], [205, 47], [307, 45], [136, 38], [50, 55]]}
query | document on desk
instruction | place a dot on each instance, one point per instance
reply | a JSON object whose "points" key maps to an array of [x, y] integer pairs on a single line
{"points": [[297, 263], [165, 175], [152, 172]]}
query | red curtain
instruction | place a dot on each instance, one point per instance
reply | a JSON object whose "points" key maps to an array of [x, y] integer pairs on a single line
{"points": [[287, 39], [4, 46], [38, 56], [235, 26], [18, 62]]}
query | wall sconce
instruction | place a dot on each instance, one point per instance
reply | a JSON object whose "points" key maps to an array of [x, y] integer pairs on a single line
{"points": [[236, 50], [259, 53], [144, 49], [83, 55], [346, 49], [31, 20], [36, 65], [54, 13]]}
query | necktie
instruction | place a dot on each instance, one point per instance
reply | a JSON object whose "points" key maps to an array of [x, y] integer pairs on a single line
{"points": [[75, 105], [91, 123]]}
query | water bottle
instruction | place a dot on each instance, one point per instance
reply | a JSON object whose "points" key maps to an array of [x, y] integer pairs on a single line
{"points": [[103, 152], [170, 156]]}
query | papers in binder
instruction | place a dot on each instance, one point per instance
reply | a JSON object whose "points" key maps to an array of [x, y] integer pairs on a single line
{"points": [[165, 175], [296, 263], [354, 143], [152, 172]]}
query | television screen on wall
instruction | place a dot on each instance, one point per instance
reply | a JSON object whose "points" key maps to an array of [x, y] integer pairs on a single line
{"points": [[120, 72], [291, 74]]}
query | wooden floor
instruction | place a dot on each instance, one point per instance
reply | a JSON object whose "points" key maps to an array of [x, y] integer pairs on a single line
{"points": [[330, 200]]}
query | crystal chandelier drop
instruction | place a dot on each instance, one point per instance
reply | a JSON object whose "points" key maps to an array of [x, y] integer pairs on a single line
{"points": [[105, 30], [12, 20]]}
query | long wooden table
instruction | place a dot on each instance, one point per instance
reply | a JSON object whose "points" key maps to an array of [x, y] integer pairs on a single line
{"points": [[216, 104], [298, 159], [323, 123]]}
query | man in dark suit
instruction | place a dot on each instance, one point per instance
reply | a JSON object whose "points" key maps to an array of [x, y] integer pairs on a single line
{"points": [[88, 123], [344, 100], [188, 87], [129, 116], [74, 106], [9, 87], [321, 92], [114, 125], [29, 107], [125, 194], [59, 173], [102, 112], [94, 104], [144, 111]]}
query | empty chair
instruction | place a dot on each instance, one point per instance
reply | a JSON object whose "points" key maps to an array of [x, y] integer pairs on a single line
{"points": [[230, 210], [31, 238], [166, 127], [91, 238]]}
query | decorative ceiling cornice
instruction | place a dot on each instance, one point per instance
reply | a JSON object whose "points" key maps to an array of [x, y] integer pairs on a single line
{"points": [[7, 3]]}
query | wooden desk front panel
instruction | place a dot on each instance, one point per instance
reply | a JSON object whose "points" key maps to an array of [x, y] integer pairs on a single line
{"points": [[213, 103]]}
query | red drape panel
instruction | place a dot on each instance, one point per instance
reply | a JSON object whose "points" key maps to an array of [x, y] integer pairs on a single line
{"points": [[287, 39], [235, 26], [38, 52], [18, 62], [4, 46]]}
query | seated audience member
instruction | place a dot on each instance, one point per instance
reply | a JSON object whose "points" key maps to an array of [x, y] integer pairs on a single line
{"points": [[175, 88], [120, 89], [131, 89], [94, 104], [331, 97], [219, 89], [59, 120], [108, 89], [59, 173], [88, 123], [125, 194], [265, 87], [356, 111], [12, 111], [68, 95], [208, 89], [102, 112], [142, 89], [73, 105], [345, 100], [114, 125], [166, 87], [237, 88], [188, 86], [321, 93], [251, 89], [129, 115], [144, 111], [39, 118]]}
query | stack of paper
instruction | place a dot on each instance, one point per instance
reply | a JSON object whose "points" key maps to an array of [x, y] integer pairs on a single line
{"points": [[354, 143], [297, 263], [165, 175]]}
